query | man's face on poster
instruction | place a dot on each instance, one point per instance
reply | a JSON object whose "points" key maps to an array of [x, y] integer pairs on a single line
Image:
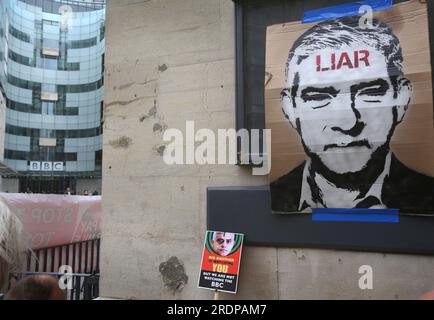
{"points": [[343, 104], [223, 243]]}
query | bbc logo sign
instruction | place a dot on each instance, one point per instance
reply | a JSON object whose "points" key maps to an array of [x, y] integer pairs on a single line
{"points": [[46, 166]]}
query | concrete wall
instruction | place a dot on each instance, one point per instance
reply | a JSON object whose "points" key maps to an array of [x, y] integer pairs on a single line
{"points": [[169, 61]]}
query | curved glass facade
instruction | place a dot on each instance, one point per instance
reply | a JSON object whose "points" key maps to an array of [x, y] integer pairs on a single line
{"points": [[52, 64]]}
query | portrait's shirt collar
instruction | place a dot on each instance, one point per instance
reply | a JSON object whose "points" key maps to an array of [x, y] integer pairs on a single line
{"points": [[317, 192]]}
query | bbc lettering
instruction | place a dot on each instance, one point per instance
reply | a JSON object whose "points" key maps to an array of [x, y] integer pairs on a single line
{"points": [[46, 166]]}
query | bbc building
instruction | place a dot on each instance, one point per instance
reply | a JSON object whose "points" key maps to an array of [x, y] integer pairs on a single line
{"points": [[52, 64]]}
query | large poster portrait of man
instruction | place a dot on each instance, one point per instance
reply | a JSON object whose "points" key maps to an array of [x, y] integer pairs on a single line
{"points": [[350, 107]]}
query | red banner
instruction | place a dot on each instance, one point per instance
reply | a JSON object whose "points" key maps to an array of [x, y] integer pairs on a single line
{"points": [[53, 220]]}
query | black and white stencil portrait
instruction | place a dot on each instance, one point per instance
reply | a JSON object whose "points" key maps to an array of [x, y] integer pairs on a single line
{"points": [[350, 108]]}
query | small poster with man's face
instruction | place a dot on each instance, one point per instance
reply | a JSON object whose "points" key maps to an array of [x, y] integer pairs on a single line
{"points": [[349, 104], [221, 261]]}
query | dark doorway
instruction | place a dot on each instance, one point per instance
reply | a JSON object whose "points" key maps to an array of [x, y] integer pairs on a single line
{"points": [[48, 185]]}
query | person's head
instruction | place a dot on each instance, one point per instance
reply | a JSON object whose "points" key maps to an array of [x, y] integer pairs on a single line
{"points": [[345, 93], [223, 242], [39, 287]]}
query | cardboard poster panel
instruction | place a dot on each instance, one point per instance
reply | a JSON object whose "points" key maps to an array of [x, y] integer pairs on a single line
{"points": [[221, 261], [350, 107]]}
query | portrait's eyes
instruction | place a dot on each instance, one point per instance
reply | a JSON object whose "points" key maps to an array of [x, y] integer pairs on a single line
{"points": [[220, 241], [374, 92], [316, 98]]}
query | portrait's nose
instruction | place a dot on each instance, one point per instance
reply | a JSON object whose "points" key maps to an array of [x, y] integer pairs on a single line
{"points": [[350, 125]]}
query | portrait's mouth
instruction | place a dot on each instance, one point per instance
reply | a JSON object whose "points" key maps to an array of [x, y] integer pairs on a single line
{"points": [[360, 143]]}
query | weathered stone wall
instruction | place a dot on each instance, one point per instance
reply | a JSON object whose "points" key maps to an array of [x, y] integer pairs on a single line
{"points": [[169, 61]]}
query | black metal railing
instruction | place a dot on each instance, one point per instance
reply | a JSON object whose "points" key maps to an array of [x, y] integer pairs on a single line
{"points": [[80, 262], [83, 286]]}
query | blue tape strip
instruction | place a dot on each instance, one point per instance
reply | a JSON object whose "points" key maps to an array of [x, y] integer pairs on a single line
{"points": [[343, 10], [359, 215]]}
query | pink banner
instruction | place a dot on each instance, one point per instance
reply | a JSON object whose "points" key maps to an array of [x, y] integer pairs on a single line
{"points": [[53, 220]]}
